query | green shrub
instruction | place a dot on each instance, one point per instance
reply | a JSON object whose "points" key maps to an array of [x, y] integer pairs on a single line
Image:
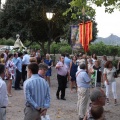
{"points": [[115, 62], [64, 49]]}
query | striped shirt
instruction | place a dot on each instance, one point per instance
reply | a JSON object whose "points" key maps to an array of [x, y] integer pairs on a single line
{"points": [[37, 93]]}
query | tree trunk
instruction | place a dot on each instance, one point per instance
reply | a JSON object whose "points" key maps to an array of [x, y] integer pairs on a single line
{"points": [[42, 47], [48, 47]]}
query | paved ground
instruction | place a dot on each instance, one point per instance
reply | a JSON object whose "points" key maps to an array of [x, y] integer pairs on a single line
{"points": [[59, 109]]}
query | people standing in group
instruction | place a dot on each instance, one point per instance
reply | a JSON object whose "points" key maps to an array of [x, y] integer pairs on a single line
{"points": [[109, 72], [3, 94], [37, 94], [73, 70], [18, 71], [49, 62], [83, 84], [25, 62], [62, 73], [10, 68], [94, 57], [98, 98]]}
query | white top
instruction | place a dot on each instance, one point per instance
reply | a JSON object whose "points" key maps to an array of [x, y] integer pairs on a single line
{"points": [[26, 59], [110, 74], [3, 94], [93, 60]]}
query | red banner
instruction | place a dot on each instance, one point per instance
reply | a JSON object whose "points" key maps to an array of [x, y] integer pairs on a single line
{"points": [[85, 34], [81, 33]]}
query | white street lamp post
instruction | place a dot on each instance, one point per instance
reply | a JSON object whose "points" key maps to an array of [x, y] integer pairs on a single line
{"points": [[49, 16]]}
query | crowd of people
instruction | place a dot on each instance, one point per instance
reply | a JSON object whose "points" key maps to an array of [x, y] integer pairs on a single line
{"points": [[85, 72], [32, 71]]}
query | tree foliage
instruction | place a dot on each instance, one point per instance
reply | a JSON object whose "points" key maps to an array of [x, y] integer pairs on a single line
{"points": [[109, 5], [79, 7], [102, 49], [80, 11], [28, 18]]}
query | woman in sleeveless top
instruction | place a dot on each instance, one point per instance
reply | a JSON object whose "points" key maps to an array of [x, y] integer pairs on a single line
{"points": [[73, 70]]}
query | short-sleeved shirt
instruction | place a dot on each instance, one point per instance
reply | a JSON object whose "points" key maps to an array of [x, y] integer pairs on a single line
{"points": [[82, 79], [110, 74], [67, 61], [62, 70]]}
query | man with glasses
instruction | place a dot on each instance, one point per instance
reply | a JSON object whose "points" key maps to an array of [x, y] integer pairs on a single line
{"points": [[42, 69]]}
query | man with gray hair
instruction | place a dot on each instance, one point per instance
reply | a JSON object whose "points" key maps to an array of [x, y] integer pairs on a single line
{"points": [[97, 97], [83, 80]]}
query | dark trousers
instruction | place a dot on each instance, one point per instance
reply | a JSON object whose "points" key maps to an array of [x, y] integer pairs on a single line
{"points": [[18, 79], [62, 80], [24, 73]]}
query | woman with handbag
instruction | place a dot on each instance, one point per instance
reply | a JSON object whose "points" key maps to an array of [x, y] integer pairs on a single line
{"points": [[109, 75]]}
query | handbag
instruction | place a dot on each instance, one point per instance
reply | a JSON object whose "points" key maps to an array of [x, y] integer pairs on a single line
{"points": [[115, 75], [46, 117]]}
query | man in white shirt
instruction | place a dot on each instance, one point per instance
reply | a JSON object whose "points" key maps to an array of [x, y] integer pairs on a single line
{"points": [[3, 94], [25, 62]]}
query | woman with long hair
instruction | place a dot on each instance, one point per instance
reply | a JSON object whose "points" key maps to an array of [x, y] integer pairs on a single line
{"points": [[109, 72], [10, 73], [73, 70], [49, 62], [94, 57]]}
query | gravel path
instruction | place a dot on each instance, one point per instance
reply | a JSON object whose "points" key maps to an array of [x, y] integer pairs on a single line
{"points": [[59, 109]]}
